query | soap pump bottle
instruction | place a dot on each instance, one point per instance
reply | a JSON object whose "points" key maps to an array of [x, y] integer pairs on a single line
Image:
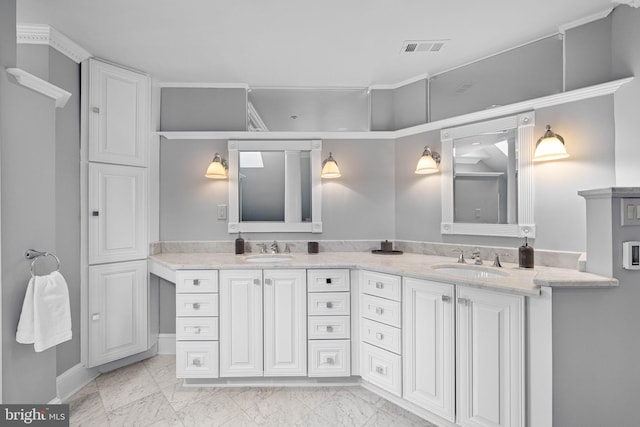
{"points": [[525, 255], [239, 245]]}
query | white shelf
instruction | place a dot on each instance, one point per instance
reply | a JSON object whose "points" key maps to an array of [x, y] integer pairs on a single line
{"points": [[518, 107], [32, 82]]}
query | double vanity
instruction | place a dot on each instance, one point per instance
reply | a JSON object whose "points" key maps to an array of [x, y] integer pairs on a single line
{"points": [[453, 343]]}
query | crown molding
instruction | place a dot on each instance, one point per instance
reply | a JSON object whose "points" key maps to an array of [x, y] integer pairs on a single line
{"points": [[46, 35], [587, 19], [32, 82]]}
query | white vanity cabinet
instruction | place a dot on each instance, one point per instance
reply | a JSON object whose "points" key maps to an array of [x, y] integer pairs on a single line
{"points": [[380, 349], [490, 358], [197, 323], [263, 323]]}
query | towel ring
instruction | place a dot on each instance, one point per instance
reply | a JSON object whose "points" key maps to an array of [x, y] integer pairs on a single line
{"points": [[35, 255]]}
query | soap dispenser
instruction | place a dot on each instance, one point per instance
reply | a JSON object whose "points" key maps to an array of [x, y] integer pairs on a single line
{"points": [[239, 245], [525, 255]]}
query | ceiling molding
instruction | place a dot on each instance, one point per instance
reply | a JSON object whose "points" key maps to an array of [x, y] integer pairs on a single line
{"points": [[632, 3], [203, 85], [587, 19], [32, 82], [424, 76], [46, 35]]}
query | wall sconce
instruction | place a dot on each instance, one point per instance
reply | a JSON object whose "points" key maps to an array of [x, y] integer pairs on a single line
{"points": [[428, 163], [550, 147], [217, 168], [330, 168]]}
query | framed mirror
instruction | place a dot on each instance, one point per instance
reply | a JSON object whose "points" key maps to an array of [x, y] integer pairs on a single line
{"points": [[274, 186], [487, 178]]}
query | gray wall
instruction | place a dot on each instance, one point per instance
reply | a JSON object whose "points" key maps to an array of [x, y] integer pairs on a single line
{"points": [[527, 72], [588, 54], [393, 109], [203, 109], [626, 62], [27, 215], [587, 127]]}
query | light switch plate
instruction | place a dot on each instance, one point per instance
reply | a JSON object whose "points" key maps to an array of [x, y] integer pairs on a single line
{"points": [[630, 211], [222, 212]]}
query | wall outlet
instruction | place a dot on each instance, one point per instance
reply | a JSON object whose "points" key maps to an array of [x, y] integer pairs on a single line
{"points": [[222, 212], [631, 255]]}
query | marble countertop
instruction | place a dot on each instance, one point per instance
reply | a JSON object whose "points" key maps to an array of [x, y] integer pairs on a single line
{"points": [[515, 280]]}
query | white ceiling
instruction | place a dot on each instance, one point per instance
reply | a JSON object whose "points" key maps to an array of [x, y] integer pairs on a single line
{"points": [[322, 43]]}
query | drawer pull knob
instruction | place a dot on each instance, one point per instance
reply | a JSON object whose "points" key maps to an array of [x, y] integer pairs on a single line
{"points": [[330, 361], [379, 336], [379, 285], [446, 298], [196, 282], [329, 304], [196, 306], [197, 330], [267, 282], [380, 370], [95, 316], [95, 110], [328, 280], [379, 311], [256, 281], [329, 328], [196, 362]]}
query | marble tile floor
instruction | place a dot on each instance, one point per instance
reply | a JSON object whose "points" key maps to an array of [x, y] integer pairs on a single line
{"points": [[149, 394]]}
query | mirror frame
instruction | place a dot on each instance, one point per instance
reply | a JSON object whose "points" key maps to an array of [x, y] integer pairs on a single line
{"points": [[525, 124], [315, 149]]}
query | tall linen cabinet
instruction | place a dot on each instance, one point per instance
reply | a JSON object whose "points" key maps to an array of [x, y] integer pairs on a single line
{"points": [[115, 187]]}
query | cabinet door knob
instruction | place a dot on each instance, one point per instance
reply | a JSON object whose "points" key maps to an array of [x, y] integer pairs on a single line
{"points": [[256, 281], [267, 282], [196, 362], [446, 298], [330, 361], [463, 301], [197, 330], [380, 370], [329, 304], [196, 282], [379, 336], [95, 316], [328, 280], [95, 110], [196, 306], [329, 328], [379, 311], [95, 213], [379, 285]]}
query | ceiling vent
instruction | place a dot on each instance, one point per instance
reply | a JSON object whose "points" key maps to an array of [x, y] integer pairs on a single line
{"points": [[416, 46]]}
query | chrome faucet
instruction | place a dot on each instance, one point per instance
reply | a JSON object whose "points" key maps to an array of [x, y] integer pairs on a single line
{"points": [[287, 250], [476, 256], [496, 260], [274, 247], [263, 247], [461, 259]]}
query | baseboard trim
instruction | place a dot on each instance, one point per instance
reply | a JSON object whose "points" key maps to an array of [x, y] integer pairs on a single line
{"points": [[72, 380], [167, 344]]}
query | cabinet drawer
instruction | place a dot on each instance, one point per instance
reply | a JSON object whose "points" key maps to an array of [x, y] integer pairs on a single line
{"points": [[381, 310], [329, 327], [196, 304], [382, 368], [382, 285], [328, 280], [196, 328], [196, 281], [197, 359], [381, 335], [330, 358], [329, 304]]}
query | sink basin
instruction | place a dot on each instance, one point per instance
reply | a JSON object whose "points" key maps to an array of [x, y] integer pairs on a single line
{"points": [[470, 272], [268, 258]]}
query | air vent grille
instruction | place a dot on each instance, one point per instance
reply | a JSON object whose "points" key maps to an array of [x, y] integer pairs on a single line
{"points": [[415, 46]]}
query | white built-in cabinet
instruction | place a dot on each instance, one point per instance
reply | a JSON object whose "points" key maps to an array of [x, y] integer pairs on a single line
{"points": [[115, 161], [428, 331], [263, 323], [490, 358], [117, 324]]}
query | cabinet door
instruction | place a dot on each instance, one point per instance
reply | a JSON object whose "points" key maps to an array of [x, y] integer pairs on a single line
{"points": [[119, 102], [285, 323], [490, 359], [118, 210], [428, 337], [117, 311], [240, 323]]}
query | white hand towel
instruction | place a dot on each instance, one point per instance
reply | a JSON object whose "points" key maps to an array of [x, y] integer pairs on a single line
{"points": [[45, 320]]}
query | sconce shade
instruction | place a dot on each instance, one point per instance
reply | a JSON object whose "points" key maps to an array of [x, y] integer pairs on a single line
{"points": [[217, 168], [550, 147], [428, 163], [330, 168]]}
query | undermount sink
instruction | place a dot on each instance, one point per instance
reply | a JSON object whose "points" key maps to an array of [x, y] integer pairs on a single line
{"points": [[268, 258], [470, 271]]}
